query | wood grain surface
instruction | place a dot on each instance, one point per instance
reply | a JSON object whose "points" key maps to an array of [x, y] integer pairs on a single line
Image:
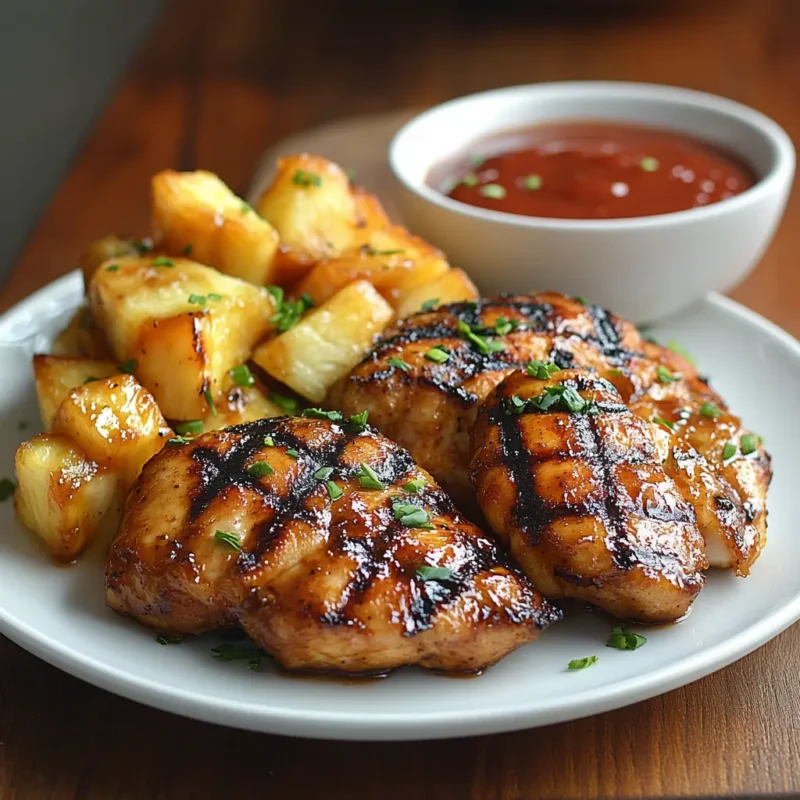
{"points": [[217, 83]]}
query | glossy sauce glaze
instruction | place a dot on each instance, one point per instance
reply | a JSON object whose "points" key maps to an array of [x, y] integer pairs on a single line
{"points": [[591, 171]]}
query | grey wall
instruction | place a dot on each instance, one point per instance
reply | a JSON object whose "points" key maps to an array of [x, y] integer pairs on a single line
{"points": [[59, 62]]}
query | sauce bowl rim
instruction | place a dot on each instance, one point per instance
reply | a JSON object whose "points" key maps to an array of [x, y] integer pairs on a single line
{"points": [[782, 151]]}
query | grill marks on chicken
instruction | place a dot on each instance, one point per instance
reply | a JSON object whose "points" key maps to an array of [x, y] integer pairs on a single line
{"points": [[273, 526], [573, 484], [430, 407]]}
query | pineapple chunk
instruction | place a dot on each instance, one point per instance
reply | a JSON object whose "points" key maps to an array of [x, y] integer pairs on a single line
{"points": [[62, 496], [108, 248], [313, 207], [184, 324], [195, 213], [392, 260], [328, 342], [56, 375], [81, 338], [452, 287], [116, 422], [373, 217]]}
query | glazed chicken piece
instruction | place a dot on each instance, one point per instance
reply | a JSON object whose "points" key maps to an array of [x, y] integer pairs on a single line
{"points": [[326, 543], [572, 482], [720, 466], [425, 380]]}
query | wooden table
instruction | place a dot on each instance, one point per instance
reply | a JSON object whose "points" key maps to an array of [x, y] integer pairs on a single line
{"points": [[216, 83]]}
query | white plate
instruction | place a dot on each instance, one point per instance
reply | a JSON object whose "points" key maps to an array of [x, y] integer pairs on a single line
{"points": [[59, 613]]}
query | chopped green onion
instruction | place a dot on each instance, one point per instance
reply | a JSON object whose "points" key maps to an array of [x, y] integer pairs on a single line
{"points": [[358, 422], [142, 246], [665, 423], [369, 251], [649, 164], [678, 348], [303, 178], [665, 376], [711, 410], [503, 326], [484, 346], [163, 261], [112, 267], [470, 180], [260, 469], [334, 491], [493, 190], [323, 473], [410, 515], [318, 413], [169, 638], [210, 401], [214, 296], [625, 640], [398, 363], [242, 376], [414, 486], [187, 250], [191, 427], [128, 367], [429, 305], [246, 208], [427, 573], [293, 453], [288, 405], [269, 441], [237, 652], [229, 538], [197, 299], [176, 441], [438, 355], [729, 451], [532, 182], [582, 663], [369, 479], [542, 369], [749, 443]]}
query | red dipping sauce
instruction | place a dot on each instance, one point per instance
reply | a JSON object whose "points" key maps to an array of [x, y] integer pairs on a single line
{"points": [[591, 171]]}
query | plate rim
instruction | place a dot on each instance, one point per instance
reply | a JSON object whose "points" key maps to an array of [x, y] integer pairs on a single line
{"points": [[393, 726]]}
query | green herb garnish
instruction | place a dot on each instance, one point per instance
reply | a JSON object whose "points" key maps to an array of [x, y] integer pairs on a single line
{"points": [[503, 326], [622, 639], [554, 398], [210, 401], [369, 479], [128, 367], [729, 451], [493, 190], [470, 180], [437, 354], [481, 344], [169, 638], [163, 261], [229, 538], [260, 469], [414, 486], [666, 423], [176, 441], [532, 182], [269, 441], [289, 312], [246, 207], [427, 573], [197, 299], [242, 376], [369, 251], [398, 363], [410, 515], [112, 267], [429, 305], [318, 413], [238, 652], [323, 473], [582, 663], [649, 164], [665, 376], [288, 405], [191, 427], [334, 492], [542, 369], [710, 410], [303, 178], [678, 348], [142, 246], [187, 251], [358, 422], [293, 453], [749, 443]]}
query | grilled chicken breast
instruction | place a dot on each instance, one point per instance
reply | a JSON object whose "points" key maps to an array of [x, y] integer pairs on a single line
{"points": [[424, 382], [572, 482], [326, 543]]}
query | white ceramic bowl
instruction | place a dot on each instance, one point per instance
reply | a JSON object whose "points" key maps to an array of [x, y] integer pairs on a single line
{"points": [[643, 267]]}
